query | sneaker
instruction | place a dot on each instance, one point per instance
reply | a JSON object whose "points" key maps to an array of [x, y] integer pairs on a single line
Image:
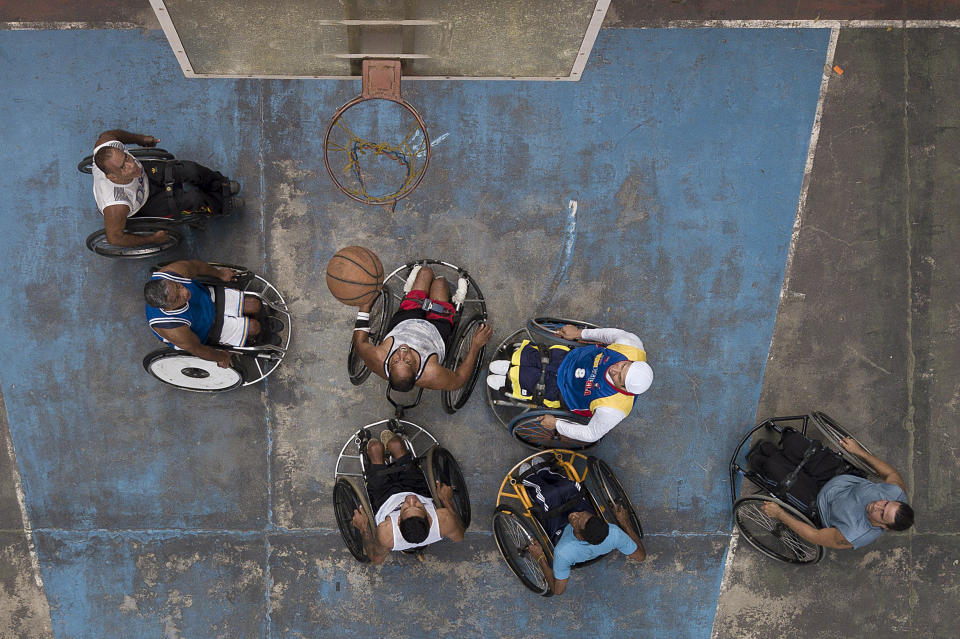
{"points": [[496, 382], [500, 366], [386, 435], [269, 338], [233, 204], [272, 324], [231, 187], [522, 468]]}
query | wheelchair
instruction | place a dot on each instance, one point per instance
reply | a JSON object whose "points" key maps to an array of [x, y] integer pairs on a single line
{"points": [[470, 313], [518, 520], [521, 417], [771, 536], [136, 225], [251, 364], [350, 485]]}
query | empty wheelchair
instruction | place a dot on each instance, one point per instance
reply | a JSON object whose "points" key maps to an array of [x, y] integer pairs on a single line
{"points": [[251, 364], [470, 314], [521, 416], [519, 520], [771, 536], [144, 225], [353, 465]]}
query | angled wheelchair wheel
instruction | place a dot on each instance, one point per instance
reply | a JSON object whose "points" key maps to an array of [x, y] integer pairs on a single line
{"points": [[349, 495], [97, 241], [189, 372], [526, 430], [86, 164], [513, 533], [833, 432], [441, 466], [454, 400], [380, 315], [611, 494], [771, 536], [546, 329]]}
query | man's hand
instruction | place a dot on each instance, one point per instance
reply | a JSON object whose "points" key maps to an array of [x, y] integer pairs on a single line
{"points": [[224, 359], [548, 421], [149, 140], [366, 306], [158, 238], [535, 550], [359, 520], [226, 274], [851, 445], [445, 493], [569, 331], [623, 517], [772, 510], [482, 336]]}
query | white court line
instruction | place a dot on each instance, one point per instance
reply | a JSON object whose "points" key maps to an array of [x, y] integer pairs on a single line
{"points": [[724, 584], [808, 168]]}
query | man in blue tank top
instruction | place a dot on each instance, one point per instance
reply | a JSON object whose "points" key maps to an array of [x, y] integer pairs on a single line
{"points": [[181, 311]]}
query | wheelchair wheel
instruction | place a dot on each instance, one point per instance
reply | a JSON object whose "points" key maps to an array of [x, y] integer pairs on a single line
{"points": [[833, 433], [454, 400], [513, 535], [545, 329], [526, 429], [146, 153], [611, 493], [771, 536], [380, 314], [348, 495], [441, 466], [97, 241], [189, 372]]}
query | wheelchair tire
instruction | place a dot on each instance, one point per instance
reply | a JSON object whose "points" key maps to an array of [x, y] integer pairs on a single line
{"points": [[611, 493], [544, 329], [528, 432], [97, 241], [513, 535], [146, 153], [380, 315], [833, 433], [771, 536], [440, 465], [189, 372], [349, 495], [455, 400]]}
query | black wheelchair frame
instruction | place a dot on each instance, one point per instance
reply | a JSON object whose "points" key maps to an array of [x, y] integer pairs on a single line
{"points": [[136, 225], [518, 520], [768, 535], [251, 364], [350, 475], [521, 417], [468, 316]]}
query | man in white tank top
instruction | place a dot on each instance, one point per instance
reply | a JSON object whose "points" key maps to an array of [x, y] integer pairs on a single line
{"points": [[123, 187], [405, 516], [413, 350]]}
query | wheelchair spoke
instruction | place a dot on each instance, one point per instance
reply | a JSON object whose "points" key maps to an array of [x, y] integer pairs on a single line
{"points": [[772, 536]]}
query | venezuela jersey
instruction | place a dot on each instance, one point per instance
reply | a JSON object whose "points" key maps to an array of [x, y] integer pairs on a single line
{"points": [[582, 378]]}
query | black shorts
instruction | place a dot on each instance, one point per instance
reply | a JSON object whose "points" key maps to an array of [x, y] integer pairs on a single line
{"points": [[402, 476], [443, 325]]}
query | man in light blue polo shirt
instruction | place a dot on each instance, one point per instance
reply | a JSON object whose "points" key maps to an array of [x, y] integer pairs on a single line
{"points": [[854, 511]]}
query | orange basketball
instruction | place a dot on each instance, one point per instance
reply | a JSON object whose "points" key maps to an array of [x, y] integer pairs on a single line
{"points": [[354, 275]]}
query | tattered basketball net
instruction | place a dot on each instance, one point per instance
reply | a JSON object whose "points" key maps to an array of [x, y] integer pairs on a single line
{"points": [[370, 170]]}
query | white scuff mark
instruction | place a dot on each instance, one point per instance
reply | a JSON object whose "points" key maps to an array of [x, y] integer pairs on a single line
{"points": [[21, 501], [416, 141], [570, 236]]}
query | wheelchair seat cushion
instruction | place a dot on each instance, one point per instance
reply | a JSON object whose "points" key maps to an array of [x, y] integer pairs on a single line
{"points": [[403, 475]]}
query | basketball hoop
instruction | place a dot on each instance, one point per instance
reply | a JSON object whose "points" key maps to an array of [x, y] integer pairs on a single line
{"points": [[387, 164]]}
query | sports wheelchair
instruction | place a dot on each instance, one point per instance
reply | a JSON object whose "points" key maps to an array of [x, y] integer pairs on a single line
{"points": [[522, 417], [136, 225], [251, 364], [771, 536], [350, 486], [518, 520], [471, 312]]}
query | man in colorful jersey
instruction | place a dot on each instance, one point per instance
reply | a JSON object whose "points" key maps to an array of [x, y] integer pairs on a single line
{"points": [[124, 187], [182, 311], [854, 511], [596, 381], [412, 352], [577, 533], [405, 517]]}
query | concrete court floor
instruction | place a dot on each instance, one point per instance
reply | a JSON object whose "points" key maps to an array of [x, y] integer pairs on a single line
{"points": [[178, 552]]}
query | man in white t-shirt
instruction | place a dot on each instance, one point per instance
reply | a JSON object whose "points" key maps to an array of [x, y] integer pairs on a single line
{"points": [[124, 187]]}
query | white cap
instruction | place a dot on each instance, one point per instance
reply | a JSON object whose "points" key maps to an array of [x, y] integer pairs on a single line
{"points": [[639, 377]]}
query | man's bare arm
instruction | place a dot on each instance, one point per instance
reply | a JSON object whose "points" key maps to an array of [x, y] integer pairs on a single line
{"points": [[127, 138], [623, 519], [829, 537], [450, 525], [187, 340], [557, 586], [885, 470], [368, 352], [376, 551], [436, 377], [198, 268], [114, 223]]}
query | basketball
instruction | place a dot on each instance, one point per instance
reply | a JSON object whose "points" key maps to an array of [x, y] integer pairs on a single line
{"points": [[354, 275]]}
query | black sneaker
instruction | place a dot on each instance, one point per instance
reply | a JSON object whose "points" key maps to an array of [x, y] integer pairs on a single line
{"points": [[270, 338], [230, 187], [272, 324], [233, 204]]}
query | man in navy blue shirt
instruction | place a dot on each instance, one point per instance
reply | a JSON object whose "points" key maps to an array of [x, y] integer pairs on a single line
{"points": [[854, 511]]}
